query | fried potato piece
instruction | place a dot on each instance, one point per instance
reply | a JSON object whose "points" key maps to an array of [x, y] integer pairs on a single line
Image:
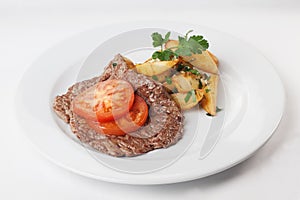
{"points": [[171, 44], [170, 87], [185, 82], [215, 59], [205, 61], [199, 94], [156, 67], [162, 77], [189, 99], [209, 102]]}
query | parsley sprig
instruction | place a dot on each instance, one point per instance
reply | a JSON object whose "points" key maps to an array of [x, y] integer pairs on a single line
{"points": [[186, 47], [164, 55], [158, 40]]}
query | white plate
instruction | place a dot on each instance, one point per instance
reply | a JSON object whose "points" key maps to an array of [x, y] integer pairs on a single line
{"points": [[253, 105]]}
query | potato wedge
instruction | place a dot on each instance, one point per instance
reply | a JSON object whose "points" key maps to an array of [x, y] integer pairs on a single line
{"points": [[215, 59], [187, 103], [170, 87], [209, 102], [155, 68], [204, 61], [199, 94], [184, 82], [171, 44], [162, 77]]}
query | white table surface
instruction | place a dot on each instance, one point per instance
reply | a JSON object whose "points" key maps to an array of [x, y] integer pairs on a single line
{"points": [[27, 28]]}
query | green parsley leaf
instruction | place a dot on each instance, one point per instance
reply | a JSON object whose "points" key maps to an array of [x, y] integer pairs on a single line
{"points": [[163, 55], [158, 40], [180, 67], [187, 33], [188, 96], [186, 47], [183, 51], [198, 38], [207, 90], [183, 48], [167, 55], [156, 55], [194, 71], [114, 64], [168, 80], [154, 77], [194, 46], [184, 68], [189, 45], [201, 41], [167, 36]]}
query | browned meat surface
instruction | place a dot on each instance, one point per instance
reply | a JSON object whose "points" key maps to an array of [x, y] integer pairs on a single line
{"points": [[164, 127]]}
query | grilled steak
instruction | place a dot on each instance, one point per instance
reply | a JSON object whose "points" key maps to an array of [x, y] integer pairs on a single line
{"points": [[163, 128]]}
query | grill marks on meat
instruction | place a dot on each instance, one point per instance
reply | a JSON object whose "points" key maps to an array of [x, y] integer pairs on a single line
{"points": [[164, 128]]}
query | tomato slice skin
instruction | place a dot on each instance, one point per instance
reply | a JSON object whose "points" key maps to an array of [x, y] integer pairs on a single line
{"points": [[114, 98], [130, 122], [105, 101]]}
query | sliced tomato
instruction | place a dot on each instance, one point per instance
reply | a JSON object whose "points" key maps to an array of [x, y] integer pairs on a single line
{"points": [[105, 101], [113, 99], [130, 122]]}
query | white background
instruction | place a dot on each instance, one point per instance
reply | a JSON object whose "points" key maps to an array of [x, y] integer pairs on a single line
{"points": [[27, 28]]}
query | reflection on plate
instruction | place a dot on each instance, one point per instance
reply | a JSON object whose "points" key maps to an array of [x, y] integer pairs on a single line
{"points": [[247, 124]]}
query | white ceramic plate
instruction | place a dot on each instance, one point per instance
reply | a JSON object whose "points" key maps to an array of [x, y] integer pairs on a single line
{"points": [[251, 94]]}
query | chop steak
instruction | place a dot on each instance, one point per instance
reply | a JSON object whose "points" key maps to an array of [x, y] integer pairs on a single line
{"points": [[163, 128]]}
